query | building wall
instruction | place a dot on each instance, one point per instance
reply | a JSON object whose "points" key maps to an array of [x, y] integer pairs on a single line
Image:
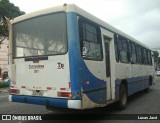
{"points": [[4, 55]]}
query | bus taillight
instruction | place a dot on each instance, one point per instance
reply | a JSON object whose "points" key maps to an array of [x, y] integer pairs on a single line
{"points": [[23, 86], [62, 89], [49, 88], [64, 94], [14, 91]]}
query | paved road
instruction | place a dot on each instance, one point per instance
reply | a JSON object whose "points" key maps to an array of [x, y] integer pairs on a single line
{"points": [[140, 103]]}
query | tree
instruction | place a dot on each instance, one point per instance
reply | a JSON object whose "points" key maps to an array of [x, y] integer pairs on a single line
{"points": [[10, 11], [156, 54]]}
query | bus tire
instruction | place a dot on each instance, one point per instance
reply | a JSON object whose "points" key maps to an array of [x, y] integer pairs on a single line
{"points": [[122, 103], [147, 89], [151, 80], [150, 84]]}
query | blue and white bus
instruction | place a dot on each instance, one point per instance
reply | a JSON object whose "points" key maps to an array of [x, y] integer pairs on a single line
{"points": [[65, 57]]}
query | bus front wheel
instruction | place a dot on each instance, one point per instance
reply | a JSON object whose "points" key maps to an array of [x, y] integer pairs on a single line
{"points": [[122, 103]]}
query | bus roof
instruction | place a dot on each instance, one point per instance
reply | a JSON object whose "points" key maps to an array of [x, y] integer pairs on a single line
{"points": [[74, 8]]}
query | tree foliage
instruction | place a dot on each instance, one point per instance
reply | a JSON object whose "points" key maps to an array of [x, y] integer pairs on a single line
{"points": [[10, 11], [156, 54]]}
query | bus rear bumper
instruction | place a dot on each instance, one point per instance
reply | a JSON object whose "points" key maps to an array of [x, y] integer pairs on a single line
{"points": [[51, 102]]}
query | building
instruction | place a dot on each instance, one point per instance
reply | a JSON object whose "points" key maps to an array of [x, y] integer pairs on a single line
{"points": [[4, 57]]}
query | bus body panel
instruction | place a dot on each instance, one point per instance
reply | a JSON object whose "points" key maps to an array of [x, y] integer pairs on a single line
{"points": [[83, 81], [38, 76], [137, 77], [74, 53], [93, 86], [47, 101], [108, 36]]}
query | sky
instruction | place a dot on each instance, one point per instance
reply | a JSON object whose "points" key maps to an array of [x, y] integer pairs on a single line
{"points": [[137, 18]]}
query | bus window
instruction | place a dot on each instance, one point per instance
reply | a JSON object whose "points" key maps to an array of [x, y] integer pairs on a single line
{"points": [[144, 56], [123, 50], [116, 47], [139, 54], [129, 50], [149, 57], [133, 54], [44, 35], [90, 41]]}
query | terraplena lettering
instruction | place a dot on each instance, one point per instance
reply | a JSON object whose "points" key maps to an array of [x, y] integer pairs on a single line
{"points": [[36, 66]]}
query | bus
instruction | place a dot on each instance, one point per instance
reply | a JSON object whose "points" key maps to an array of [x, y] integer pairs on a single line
{"points": [[64, 57]]}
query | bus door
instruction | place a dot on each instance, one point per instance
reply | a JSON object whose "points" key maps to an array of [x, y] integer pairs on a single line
{"points": [[108, 46]]}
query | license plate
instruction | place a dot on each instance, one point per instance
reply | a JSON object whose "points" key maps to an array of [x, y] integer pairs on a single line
{"points": [[37, 93]]}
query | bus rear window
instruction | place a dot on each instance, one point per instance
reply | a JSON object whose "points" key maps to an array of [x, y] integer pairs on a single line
{"points": [[44, 35]]}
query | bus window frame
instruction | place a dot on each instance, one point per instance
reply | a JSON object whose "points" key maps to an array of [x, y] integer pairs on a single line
{"points": [[131, 53], [81, 21], [139, 48], [116, 47], [122, 39]]}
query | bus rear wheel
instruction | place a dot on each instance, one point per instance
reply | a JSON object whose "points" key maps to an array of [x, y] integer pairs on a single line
{"points": [[122, 103], [150, 84]]}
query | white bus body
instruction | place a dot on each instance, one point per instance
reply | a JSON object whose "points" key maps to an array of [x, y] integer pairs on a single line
{"points": [[65, 57]]}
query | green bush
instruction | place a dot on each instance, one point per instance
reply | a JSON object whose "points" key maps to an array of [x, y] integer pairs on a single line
{"points": [[4, 84]]}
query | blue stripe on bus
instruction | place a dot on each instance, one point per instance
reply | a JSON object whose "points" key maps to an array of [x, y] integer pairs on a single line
{"points": [[135, 84], [79, 72], [33, 100], [98, 96], [16, 98], [52, 102], [61, 103], [74, 55]]}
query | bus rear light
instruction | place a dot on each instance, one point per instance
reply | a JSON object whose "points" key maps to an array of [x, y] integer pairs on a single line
{"points": [[49, 88], [12, 86], [64, 94], [62, 89], [86, 83], [23, 86], [14, 91]]}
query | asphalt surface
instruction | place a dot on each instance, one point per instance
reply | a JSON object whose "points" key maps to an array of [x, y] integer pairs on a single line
{"points": [[139, 103]]}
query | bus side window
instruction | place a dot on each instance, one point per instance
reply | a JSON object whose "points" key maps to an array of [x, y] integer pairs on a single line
{"points": [[144, 56], [150, 53], [149, 57], [123, 50], [116, 47], [129, 50], [91, 46], [139, 54], [133, 54]]}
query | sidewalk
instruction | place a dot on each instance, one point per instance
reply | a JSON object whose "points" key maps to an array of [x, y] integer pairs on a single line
{"points": [[5, 90]]}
